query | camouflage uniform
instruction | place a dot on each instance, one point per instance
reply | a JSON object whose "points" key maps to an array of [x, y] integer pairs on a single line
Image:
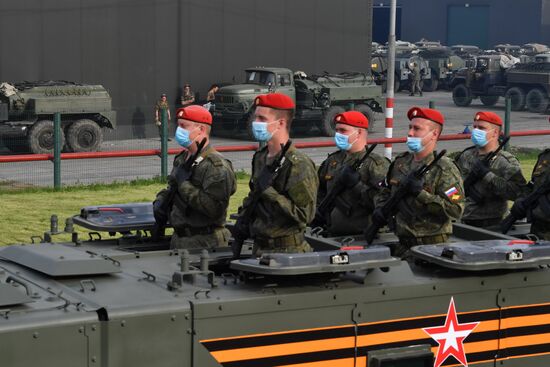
{"points": [[427, 218], [540, 215], [353, 208], [200, 207], [503, 183], [415, 83], [285, 208], [187, 97], [161, 105]]}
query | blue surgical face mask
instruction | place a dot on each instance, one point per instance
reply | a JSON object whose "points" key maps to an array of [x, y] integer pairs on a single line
{"points": [[259, 129], [414, 144], [183, 137], [479, 138], [342, 141]]}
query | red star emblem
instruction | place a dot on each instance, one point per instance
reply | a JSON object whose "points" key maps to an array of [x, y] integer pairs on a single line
{"points": [[450, 337]]}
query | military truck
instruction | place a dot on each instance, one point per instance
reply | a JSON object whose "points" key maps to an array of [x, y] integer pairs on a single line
{"points": [[443, 64], [404, 59], [128, 300], [319, 98], [527, 85], [508, 49], [27, 110], [529, 51]]}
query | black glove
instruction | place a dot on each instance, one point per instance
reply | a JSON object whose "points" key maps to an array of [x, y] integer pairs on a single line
{"points": [[519, 209], [240, 231], [265, 179], [180, 174], [414, 185], [378, 217], [161, 217], [348, 177], [480, 169]]}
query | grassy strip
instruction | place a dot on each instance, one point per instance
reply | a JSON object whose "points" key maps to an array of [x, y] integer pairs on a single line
{"points": [[26, 211]]}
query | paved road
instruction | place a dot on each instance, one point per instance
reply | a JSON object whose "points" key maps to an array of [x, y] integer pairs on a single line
{"points": [[124, 169]]}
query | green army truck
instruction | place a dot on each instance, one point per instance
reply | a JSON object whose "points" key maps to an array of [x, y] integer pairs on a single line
{"points": [[27, 110], [318, 98]]}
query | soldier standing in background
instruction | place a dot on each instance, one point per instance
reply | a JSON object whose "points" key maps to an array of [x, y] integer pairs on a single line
{"points": [[355, 204], [211, 95], [434, 200], [416, 77], [162, 104], [495, 182], [287, 200], [188, 97], [199, 208]]}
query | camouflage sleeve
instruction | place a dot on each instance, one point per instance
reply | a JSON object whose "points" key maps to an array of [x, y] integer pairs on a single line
{"points": [[373, 178], [213, 195], [448, 198], [321, 173], [509, 186], [298, 202], [178, 159]]}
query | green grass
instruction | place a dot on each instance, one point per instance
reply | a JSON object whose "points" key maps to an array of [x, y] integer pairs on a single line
{"points": [[26, 211]]}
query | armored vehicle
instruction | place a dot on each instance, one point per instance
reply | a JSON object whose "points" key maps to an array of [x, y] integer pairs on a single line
{"points": [[443, 64], [527, 85], [529, 51], [132, 301], [27, 109], [318, 98], [465, 50], [508, 49], [404, 60]]}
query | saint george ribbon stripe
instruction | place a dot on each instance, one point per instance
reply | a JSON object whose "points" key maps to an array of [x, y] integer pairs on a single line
{"points": [[524, 329]]}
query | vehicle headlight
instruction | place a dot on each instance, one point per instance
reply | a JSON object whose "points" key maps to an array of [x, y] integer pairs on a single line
{"points": [[449, 65], [374, 66]]}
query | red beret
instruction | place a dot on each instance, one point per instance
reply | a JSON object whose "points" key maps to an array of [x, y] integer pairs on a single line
{"points": [[426, 113], [491, 117], [195, 113], [278, 101], [352, 118]]}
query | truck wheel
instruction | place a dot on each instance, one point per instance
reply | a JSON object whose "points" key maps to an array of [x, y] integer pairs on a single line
{"points": [[84, 136], [327, 124], [40, 137], [489, 100], [369, 113], [462, 97], [537, 100], [430, 85], [517, 98]]}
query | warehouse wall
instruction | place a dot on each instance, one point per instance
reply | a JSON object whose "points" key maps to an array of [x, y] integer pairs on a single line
{"points": [[141, 48]]}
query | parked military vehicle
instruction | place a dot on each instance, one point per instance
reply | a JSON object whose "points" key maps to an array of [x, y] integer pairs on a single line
{"points": [[443, 64], [508, 49], [319, 98], [466, 50], [27, 109], [529, 51], [404, 60], [128, 300], [527, 85]]}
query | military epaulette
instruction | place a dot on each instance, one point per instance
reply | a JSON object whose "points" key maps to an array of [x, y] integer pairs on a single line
{"points": [[377, 158]]}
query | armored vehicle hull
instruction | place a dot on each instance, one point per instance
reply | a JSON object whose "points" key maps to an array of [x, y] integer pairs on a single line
{"points": [[403, 62], [131, 301], [27, 110], [318, 98]]}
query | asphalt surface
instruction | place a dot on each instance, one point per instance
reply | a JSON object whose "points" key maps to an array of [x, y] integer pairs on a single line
{"points": [[124, 169]]}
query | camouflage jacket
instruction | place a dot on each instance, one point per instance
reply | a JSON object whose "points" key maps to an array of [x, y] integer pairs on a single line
{"points": [[353, 207], [503, 183], [287, 206], [161, 105], [540, 215], [416, 75], [441, 201], [203, 199]]}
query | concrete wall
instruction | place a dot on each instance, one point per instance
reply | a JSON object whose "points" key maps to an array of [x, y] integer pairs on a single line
{"points": [[141, 48]]}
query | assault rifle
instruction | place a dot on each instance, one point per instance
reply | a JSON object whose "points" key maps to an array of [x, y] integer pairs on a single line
{"points": [[327, 205], [530, 201], [474, 177], [390, 207], [165, 205], [245, 217]]}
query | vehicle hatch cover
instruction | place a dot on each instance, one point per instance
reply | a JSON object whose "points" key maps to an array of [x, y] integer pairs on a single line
{"points": [[117, 217], [58, 260], [318, 262], [11, 296], [486, 255]]}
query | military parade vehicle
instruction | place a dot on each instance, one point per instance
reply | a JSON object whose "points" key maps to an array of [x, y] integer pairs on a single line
{"points": [[443, 64], [527, 85], [27, 110], [529, 51], [319, 98], [465, 50], [509, 49], [404, 59], [122, 298]]}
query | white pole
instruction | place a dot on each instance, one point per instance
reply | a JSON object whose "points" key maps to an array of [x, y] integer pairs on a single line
{"points": [[390, 81]]}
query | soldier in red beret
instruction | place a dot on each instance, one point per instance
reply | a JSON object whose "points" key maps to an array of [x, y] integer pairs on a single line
{"points": [[354, 204], [491, 184], [200, 196], [287, 198], [425, 216]]}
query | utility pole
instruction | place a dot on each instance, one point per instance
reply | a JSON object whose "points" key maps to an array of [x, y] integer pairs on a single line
{"points": [[390, 81]]}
